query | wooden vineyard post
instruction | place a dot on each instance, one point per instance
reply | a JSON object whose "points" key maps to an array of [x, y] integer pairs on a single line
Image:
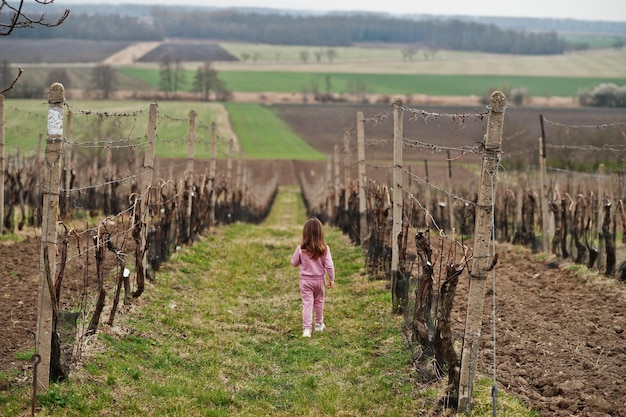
{"points": [[397, 296], [337, 183], [229, 163], [346, 169], [330, 202], [600, 215], [191, 137], [50, 217], [450, 198], [360, 132], [483, 260], [212, 169], [144, 190], [229, 171], [543, 197], [1, 163]]}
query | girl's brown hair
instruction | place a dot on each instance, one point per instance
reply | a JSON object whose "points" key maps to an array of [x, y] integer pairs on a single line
{"points": [[313, 238]]}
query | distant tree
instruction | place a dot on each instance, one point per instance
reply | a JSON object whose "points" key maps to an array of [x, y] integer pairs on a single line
{"points": [[315, 87], [356, 87], [205, 80], [329, 84], [331, 54], [104, 79], [304, 56], [6, 73], [166, 76], [408, 53], [245, 57], [59, 75], [180, 76], [221, 92], [604, 95], [519, 96], [318, 56], [619, 43]]}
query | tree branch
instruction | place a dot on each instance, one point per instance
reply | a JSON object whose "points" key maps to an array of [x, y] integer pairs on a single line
{"points": [[19, 20], [19, 74]]}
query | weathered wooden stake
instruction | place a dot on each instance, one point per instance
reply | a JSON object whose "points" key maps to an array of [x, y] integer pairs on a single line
{"points": [[1, 162], [398, 121], [600, 214], [212, 169], [330, 200], [346, 169], [543, 197], [360, 131], [484, 260], [147, 178], [450, 199], [337, 182], [191, 137], [50, 217]]}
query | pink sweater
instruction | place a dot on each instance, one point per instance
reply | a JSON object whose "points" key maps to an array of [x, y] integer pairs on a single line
{"points": [[314, 268]]}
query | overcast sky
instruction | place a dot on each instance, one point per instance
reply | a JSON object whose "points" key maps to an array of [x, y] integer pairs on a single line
{"points": [[611, 10]]}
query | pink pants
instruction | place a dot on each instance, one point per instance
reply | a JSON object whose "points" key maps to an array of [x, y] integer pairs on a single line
{"points": [[312, 292]]}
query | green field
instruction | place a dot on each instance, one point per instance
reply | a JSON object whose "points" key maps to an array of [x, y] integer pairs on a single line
{"points": [[259, 131], [263, 135], [105, 120], [391, 84]]}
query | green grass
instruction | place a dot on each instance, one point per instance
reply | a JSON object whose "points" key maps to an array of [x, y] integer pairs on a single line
{"points": [[126, 121], [219, 334], [394, 84], [391, 84], [263, 135]]}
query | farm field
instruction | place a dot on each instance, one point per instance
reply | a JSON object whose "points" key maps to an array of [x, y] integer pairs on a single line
{"points": [[381, 70], [126, 121], [254, 81]]}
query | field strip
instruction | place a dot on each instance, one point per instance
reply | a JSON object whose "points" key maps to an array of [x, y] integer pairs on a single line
{"points": [[222, 120], [605, 63], [130, 54]]}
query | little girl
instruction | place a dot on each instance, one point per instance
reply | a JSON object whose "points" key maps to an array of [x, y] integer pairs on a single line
{"points": [[313, 257]]}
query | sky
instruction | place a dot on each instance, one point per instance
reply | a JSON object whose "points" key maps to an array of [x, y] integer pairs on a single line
{"points": [[609, 10]]}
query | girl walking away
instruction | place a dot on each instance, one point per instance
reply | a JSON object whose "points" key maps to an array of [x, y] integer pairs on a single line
{"points": [[313, 257]]}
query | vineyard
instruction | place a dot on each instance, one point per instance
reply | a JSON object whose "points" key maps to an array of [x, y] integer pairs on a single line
{"points": [[123, 212], [419, 239]]}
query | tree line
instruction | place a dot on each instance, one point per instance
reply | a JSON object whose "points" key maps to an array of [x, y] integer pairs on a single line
{"points": [[283, 29]]}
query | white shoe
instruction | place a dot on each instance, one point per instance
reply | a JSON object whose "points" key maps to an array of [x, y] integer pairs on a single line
{"points": [[319, 327], [306, 333]]}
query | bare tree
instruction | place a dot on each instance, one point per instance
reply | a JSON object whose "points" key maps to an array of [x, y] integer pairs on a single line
{"points": [[19, 20], [103, 78], [168, 76], [59, 75], [331, 54], [304, 56], [205, 80]]}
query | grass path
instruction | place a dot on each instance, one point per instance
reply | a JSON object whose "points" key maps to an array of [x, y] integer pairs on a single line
{"points": [[219, 334]]}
